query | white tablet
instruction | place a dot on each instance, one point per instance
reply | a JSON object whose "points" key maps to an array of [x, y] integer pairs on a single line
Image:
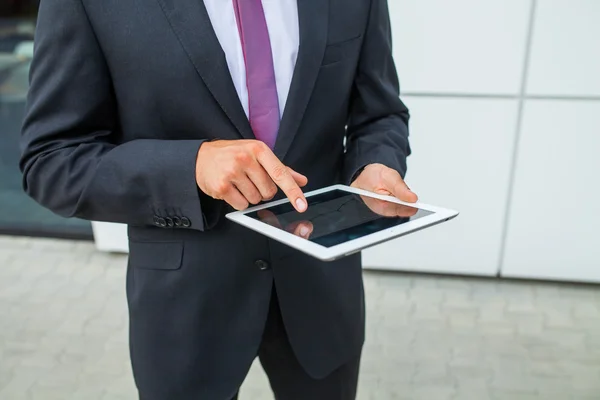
{"points": [[340, 221]]}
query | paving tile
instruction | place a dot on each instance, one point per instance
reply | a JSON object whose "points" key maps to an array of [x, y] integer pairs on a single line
{"points": [[63, 333], [88, 393]]}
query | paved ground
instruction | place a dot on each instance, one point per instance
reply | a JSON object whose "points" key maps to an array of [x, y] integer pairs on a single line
{"points": [[63, 333]]}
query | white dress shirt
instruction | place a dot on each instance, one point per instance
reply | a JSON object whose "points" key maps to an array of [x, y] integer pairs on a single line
{"points": [[282, 22]]}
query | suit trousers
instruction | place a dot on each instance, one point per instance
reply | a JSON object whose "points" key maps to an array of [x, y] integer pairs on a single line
{"points": [[288, 379]]}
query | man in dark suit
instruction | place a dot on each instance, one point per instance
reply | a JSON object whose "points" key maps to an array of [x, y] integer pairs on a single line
{"points": [[166, 114]]}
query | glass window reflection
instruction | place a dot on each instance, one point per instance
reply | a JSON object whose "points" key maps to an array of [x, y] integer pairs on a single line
{"points": [[18, 213]]}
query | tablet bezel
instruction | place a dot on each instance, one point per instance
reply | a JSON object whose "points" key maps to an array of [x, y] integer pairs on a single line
{"points": [[352, 246]]}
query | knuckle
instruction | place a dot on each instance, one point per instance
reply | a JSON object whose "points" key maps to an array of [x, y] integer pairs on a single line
{"points": [[242, 157], [270, 192], [386, 173], [230, 173], [257, 147], [222, 188], [391, 174], [279, 172], [254, 200], [242, 206]]}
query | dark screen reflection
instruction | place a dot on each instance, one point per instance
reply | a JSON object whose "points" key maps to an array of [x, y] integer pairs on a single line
{"points": [[337, 216]]}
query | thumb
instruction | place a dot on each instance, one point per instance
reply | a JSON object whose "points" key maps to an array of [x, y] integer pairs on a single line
{"points": [[399, 189], [403, 192]]}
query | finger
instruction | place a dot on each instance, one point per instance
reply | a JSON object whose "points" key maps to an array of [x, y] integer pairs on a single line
{"points": [[302, 228], [282, 177], [262, 182], [248, 190], [268, 217], [405, 211], [235, 199], [300, 179], [394, 183], [389, 209], [381, 207]]}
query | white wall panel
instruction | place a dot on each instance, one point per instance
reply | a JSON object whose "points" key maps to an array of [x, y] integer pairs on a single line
{"points": [[461, 159], [110, 237], [565, 54], [554, 226], [460, 46]]}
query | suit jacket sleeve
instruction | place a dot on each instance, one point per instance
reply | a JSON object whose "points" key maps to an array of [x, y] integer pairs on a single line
{"points": [[378, 121], [72, 161]]}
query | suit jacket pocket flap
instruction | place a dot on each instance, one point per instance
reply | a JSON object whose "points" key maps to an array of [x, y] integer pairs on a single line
{"points": [[156, 255]]}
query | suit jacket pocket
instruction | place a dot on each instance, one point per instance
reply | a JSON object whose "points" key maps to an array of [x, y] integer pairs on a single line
{"points": [[336, 52], [156, 255]]}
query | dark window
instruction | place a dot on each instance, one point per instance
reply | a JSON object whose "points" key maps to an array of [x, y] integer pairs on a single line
{"points": [[18, 213]]}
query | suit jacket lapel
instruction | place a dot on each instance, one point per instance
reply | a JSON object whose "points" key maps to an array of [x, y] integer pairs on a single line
{"points": [[313, 19], [191, 24]]}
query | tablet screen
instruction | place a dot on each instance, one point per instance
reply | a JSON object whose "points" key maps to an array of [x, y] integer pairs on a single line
{"points": [[338, 216]]}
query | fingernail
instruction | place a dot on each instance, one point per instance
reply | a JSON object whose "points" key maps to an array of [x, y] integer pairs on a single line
{"points": [[301, 204], [304, 231]]}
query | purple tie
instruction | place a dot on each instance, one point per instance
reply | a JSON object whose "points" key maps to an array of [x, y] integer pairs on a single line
{"points": [[263, 103]]}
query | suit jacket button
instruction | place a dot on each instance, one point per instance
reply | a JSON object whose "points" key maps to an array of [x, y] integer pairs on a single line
{"points": [[156, 220], [177, 221], [262, 265], [185, 222], [170, 222], [162, 222]]}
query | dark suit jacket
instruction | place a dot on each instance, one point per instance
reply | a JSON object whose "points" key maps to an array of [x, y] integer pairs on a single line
{"points": [[123, 93]]}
